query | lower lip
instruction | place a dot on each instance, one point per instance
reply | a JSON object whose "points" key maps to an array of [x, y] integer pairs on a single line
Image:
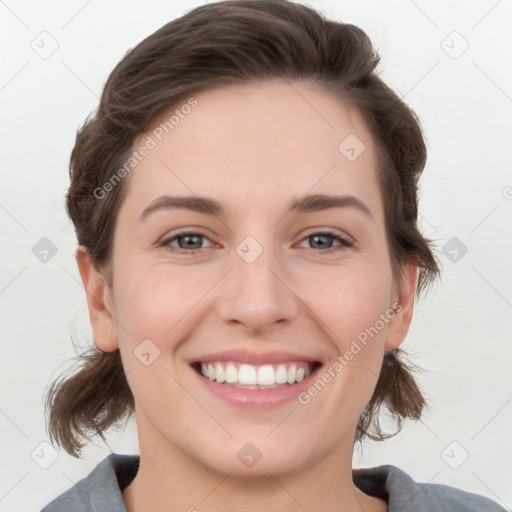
{"points": [[257, 397]]}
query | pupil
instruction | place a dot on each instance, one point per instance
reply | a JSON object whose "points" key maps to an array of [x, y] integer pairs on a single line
{"points": [[321, 237], [188, 238]]}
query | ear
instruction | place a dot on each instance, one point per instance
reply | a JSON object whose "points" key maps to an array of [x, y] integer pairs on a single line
{"points": [[99, 302], [405, 293]]}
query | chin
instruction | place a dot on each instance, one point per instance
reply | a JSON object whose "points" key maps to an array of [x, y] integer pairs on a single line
{"points": [[258, 469], [254, 460]]}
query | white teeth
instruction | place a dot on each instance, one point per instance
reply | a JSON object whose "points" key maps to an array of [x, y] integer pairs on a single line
{"points": [[291, 374], [231, 373], [253, 377], [220, 374], [266, 375], [247, 375], [281, 374]]}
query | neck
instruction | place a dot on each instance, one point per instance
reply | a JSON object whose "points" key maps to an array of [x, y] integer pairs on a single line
{"points": [[170, 479]]}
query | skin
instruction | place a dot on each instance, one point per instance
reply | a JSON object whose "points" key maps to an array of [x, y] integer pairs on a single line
{"points": [[254, 149]]}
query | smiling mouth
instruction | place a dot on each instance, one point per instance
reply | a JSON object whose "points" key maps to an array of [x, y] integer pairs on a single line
{"points": [[248, 376]]}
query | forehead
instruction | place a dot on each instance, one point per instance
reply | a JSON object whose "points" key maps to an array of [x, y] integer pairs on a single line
{"points": [[254, 143]]}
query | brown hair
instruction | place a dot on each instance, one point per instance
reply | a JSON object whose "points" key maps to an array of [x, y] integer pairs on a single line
{"points": [[228, 43]]}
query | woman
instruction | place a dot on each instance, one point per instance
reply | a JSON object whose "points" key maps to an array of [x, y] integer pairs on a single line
{"points": [[245, 202]]}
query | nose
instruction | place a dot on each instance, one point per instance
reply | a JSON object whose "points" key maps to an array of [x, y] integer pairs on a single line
{"points": [[258, 294]]}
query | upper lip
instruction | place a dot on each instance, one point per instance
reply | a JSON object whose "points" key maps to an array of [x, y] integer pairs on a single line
{"points": [[253, 358]]}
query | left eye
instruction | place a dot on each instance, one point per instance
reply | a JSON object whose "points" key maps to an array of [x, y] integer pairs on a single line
{"points": [[319, 239], [191, 242]]}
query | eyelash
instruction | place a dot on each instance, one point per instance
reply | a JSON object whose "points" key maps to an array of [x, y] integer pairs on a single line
{"points": [[345, 242]]}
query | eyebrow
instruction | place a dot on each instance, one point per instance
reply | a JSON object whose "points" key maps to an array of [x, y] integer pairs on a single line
{"points": [[305, 204]]}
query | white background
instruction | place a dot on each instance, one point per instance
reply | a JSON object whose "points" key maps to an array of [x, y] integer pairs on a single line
{"points": [[461, 332]]}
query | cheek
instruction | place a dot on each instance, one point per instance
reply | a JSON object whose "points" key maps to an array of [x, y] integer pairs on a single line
{"points": [[151, 306], [156, 300], [348, 300], [153, 301], [354, 307], [352, 313]]}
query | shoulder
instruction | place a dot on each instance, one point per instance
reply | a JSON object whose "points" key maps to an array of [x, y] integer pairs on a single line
{"points": [[404, 494], [101, 489]]}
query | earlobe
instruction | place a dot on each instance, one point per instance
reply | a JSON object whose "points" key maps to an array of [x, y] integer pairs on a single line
{"points": [[99, 302], [398, 327]]}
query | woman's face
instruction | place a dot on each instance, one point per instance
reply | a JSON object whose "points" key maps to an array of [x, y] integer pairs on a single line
{"points": [[259, 289]]}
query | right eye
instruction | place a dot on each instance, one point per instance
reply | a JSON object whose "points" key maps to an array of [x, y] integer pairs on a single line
{"points": [[190, 239]]}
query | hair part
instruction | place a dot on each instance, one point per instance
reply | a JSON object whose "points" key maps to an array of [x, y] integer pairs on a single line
{"points": [[235, 42]]}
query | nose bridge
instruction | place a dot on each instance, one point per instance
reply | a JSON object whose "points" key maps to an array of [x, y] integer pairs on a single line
{"points": [[258, 296], [253, 264]]}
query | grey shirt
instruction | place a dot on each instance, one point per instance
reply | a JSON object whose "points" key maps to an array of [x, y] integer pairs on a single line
{"points": [[101, 490]]}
